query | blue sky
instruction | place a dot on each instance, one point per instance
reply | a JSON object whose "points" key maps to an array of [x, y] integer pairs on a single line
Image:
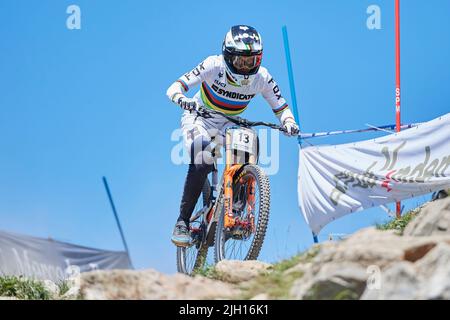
{"points": [[79, 104]]}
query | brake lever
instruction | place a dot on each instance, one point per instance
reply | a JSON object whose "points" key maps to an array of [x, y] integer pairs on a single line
{"points": [[296, 134], [242, 122]]}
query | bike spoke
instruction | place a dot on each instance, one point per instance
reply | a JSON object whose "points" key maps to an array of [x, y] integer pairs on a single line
{"points": [[190, 258], [194, 254]]}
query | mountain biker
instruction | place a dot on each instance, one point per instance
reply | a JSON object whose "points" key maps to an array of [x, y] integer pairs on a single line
{"points": [[227, 84]]}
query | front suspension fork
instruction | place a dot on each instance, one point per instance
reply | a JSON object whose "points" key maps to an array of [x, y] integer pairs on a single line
{"points": [[230, 220], [228, 195]]}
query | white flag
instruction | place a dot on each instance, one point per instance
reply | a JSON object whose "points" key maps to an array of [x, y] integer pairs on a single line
{"points": [[340, 179]]}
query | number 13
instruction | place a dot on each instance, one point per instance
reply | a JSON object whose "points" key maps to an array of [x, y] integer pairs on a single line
{"points": [[245, 136]]}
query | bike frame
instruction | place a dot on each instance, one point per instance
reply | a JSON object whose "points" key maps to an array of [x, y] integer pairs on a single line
{"points": [[231, 168], [224, 190]]}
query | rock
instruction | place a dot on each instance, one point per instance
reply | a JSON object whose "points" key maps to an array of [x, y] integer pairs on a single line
{"points": [[428, 278], [235, 271], [435, 271], [261, 296], [375, 247], [417, 247], [340, 270], [366, 247], [333, 281], [370, 264], [434, 219], [398, 282], [151, 285]]}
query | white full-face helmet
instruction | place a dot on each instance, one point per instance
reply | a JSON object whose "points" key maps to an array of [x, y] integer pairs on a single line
{"points": [[242, 51]]}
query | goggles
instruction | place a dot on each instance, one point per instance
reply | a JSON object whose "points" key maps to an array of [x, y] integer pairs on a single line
{"points": [[246, 64]]}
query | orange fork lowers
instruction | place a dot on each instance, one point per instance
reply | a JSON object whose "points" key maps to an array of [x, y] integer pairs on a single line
{"points": [[228, 195], [230, 170]]}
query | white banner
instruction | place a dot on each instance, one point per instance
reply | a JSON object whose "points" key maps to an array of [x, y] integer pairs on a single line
{"points": [[46, 259], [340, 179]]}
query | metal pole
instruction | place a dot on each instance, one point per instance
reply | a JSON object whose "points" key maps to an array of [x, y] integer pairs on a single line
{"points": [[290, 73], [397, 83], [304, 136], [315, 238], [287, 52], [116, 216]]}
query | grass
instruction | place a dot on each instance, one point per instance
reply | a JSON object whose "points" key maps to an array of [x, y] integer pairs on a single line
{"points": [[278, 283], [23, 288], [330, 292], [63, 287], [208, 271], [400, 224], [28, 289]]}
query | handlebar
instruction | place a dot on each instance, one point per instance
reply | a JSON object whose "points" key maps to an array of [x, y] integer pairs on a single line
{"points": [[237, 120]]}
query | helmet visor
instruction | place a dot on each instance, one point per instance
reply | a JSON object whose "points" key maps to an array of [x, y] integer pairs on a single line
{"points": [[246, 64]]}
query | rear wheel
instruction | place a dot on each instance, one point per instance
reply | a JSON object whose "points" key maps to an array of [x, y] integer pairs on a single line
{"points": [[192, 258], [244, 241]]}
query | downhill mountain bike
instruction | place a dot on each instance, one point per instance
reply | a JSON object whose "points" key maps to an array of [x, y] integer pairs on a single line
{"points": [[234, 214]]}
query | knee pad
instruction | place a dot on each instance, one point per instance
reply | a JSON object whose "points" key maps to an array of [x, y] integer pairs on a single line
{"points": [[202, 152]]}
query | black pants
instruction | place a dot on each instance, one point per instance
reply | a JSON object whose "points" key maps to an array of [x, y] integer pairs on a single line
{"points": [[199, 168]]}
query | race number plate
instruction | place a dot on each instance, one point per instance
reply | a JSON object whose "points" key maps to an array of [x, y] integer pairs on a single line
{"points": [[243, 140]]}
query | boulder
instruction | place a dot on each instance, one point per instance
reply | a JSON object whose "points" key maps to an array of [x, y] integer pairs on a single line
{"points": [[434, 219], [235, 271], [435, 271], [341, 270], [261, 296], [398, 282], [151, 285], [370, 264], [345, 280], [375, 247], [428, 278]]}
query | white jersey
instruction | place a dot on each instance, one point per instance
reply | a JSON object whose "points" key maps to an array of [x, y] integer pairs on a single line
{"points": [[218, 91]]}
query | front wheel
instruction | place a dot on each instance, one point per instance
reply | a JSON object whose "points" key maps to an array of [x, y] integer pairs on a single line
{"points": [[251, 206], [192, 258]]}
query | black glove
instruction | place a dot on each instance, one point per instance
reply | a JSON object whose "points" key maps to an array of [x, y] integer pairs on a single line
{"points": [[187, 103]]}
